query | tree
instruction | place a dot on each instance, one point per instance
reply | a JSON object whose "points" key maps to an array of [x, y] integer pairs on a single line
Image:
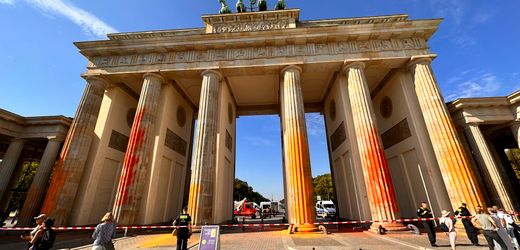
{"points": [[323, 186], [243, 190]]}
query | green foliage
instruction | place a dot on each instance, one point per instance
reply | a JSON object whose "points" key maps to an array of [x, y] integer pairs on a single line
{"points": [[323, 187], [243, 190], [22, 186]]}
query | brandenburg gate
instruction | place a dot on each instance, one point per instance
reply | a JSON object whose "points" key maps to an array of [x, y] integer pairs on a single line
{"points": [[391, 141]]}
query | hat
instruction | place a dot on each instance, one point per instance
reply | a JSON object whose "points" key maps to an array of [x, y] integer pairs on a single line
{"points": [[445, 213], [41, 216]]}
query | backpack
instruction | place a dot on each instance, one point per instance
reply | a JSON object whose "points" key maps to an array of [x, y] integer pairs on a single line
{"points": [[46, 239], [443, 227]]}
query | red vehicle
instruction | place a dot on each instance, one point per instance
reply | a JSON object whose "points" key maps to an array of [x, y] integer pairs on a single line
{"points": [[243, 208]]}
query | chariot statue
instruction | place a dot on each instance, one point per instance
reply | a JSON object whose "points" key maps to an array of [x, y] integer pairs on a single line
{"points": [[224, 9]]}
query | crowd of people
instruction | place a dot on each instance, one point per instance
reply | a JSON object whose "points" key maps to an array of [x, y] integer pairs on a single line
{"points": [[498, 227]]}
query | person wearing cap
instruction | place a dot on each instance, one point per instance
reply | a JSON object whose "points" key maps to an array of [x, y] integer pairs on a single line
{"points": [[471, 231], [39, 223], [424, 212], [451, 227]]}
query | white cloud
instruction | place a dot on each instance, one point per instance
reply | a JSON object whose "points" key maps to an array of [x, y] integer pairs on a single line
{"points": [[90, 24], [315, 124], [484, 84], [258, 141], [11, 2]]}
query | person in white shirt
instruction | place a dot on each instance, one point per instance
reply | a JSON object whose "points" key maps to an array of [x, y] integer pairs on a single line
{"points": [[451, 227], [508, 220], [501, 229]]}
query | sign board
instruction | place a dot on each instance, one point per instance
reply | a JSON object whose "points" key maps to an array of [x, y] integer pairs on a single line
{"points": [[209, 238]]}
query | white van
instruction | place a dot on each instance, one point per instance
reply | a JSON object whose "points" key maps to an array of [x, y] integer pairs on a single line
{"points": [[325, 209]]}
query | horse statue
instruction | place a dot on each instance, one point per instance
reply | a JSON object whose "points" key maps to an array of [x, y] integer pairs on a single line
{"points": [[224, 9], [241, 7], [262, 5], [280, 5]]}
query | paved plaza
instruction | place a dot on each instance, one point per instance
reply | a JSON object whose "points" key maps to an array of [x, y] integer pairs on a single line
{"points": [[260, 240]]}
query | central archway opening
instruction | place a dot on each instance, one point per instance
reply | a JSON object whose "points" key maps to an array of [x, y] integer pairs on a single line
{"points": [[259, 168]]}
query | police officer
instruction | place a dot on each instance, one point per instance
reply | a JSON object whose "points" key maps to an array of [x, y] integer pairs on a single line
{"points": [[471, 231], [424, 212], [183, 227]]}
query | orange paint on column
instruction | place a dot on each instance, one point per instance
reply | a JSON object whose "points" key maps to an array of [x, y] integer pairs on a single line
{"points": [[379, 185]]}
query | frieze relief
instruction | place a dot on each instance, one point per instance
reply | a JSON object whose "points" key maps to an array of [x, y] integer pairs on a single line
{"points": [[310, 49], [250, 26]]}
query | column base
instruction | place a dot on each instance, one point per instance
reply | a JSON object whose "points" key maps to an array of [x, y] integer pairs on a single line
{"points": [[388, 226], [305, 228]]}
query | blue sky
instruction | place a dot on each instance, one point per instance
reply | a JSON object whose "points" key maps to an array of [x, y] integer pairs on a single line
{"points": [[477, 44]]}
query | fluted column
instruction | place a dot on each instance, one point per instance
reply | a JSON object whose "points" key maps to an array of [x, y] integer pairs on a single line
{"points": [[203, 168], [488, 166], [515, 128], [456, 172], [296, 152], [69, 169], [9, 162], [36, 192], [380, 188], [139, 152]]}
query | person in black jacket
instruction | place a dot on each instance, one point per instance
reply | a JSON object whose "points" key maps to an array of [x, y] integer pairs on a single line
{"points": [[471, 231], [183, 227], [424, 212]]}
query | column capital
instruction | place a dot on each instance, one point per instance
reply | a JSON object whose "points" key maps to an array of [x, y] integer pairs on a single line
{"points": [[212, 72], [291, 68], [97, 81], [420, 59], [352, 64], [55, 138], [154, 75]]}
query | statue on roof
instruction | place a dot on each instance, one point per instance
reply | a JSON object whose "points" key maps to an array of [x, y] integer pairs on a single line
{"points": [[224, 9], [280, 5], [241, 7], [262, 5]]}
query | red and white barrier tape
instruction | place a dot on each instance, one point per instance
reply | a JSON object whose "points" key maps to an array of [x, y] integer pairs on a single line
{"points": [[246, 225]]}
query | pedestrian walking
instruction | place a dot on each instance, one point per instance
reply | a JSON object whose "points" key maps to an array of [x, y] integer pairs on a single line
{"points": [[183, 229], [104, 233], [449, 224], [501, 229], [484, 221], [45, 237], [39, 223], [471, 231], [424, 212]]}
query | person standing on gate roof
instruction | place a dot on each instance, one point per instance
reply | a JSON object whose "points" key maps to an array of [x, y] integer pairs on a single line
{"points": [[424, 212], [104, 233], [183, 227], [471, 231], [489, 228], [39, 223]]}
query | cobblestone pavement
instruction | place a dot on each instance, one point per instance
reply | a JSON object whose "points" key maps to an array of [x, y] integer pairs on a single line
{"points": [[266, 240]]}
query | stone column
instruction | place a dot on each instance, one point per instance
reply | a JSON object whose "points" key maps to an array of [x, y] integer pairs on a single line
{"points": [[69, 169], [139, 152], [38, 187], [488, 165], [515, 128], [300, 195], [200, 204], [460, 181], [380, 189], [9, 162]]}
